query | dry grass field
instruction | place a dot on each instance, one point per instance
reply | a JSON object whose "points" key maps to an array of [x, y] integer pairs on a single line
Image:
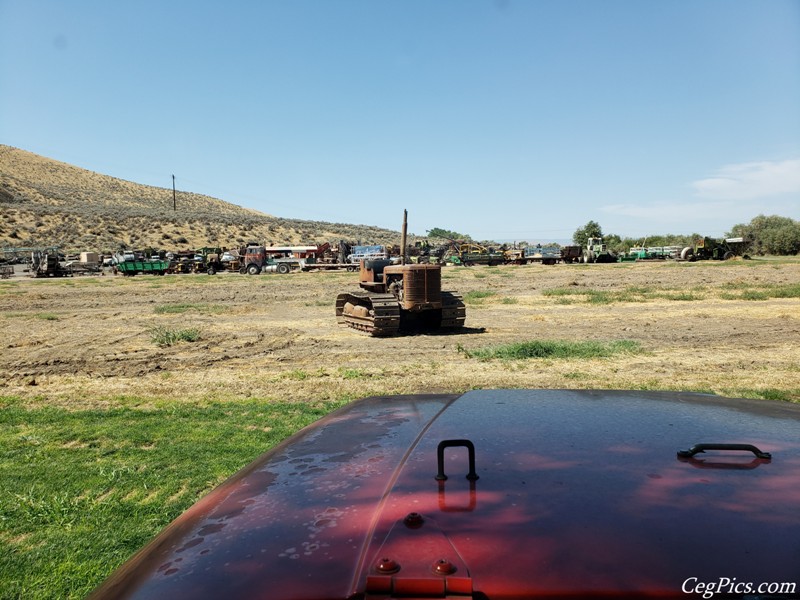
{"points": [[728, 328]]}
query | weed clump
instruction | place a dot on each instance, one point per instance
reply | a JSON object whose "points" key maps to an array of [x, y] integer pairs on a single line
{"points": [[165, 336], [552, 349]]}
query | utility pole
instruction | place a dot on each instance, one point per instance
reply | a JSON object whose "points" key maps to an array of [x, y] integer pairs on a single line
{"points": [[174, 198]]}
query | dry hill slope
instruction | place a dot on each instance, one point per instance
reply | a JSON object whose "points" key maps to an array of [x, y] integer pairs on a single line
{"points": [[44, 202]]}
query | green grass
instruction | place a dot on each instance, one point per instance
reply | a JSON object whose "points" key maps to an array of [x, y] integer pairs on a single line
{"points": [[46, 316], [552, 349], [729, 291], [80, 491], [297, 375], [577, 376], [10, 288], [683, 296], [166, 336], [573, 295], [747, 291], [43, 316], [497, 272], [353, 373], [172, 309], [477, 296], [769, 394]]}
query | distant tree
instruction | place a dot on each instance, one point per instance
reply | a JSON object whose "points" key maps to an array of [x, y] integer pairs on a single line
{"points": [[784, 240], [438, 232], [582, 234], [614, 243], [770, 235]]}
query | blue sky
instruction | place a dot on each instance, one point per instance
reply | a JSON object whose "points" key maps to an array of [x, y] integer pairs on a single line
{"points": [[502, 119]]}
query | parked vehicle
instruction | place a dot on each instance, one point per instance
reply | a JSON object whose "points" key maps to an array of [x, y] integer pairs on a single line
{"points": [[129, 264], [597, 251], [638, 253], [571, 254], [547, 255], [47, 263], [469, 254], [257, 260], [499, 494], [707, 248], [359, 253]]}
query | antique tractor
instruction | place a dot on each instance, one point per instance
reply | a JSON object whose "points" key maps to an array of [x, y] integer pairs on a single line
{"points": [[400, 297]]}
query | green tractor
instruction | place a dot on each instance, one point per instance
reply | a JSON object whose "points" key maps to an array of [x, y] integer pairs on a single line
{"points": [[597, 252], [707, 248]]}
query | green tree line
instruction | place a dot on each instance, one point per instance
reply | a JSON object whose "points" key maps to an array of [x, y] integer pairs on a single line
{"points": [[438, 232], [773, 235]]}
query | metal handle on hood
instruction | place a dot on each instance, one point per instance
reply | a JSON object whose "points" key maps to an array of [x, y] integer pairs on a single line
{"points": [[472, 475], [697, 448]]}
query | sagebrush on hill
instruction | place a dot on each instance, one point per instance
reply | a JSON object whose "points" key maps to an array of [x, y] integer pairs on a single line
{"points": [[50, 203]]}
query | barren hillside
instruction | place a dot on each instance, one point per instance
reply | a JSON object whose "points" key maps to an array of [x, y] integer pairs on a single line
{"points": [[44, 202]]}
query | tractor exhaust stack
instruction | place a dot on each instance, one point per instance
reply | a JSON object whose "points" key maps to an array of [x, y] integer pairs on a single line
{"points": [[403, 238]]}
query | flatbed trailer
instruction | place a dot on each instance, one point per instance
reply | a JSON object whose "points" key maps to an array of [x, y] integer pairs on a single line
{"points": [[547, 255], [329, 267]]}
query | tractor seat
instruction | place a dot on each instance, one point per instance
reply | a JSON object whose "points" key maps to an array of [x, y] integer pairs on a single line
{"points": [[377, 266]]}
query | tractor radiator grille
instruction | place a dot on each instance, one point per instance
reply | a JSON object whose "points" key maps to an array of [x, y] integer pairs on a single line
{"points": [[423, 285]]}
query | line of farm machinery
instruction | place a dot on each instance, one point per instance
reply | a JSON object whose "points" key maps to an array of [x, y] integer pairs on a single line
{"points": [[254, 258], [594, 251]]}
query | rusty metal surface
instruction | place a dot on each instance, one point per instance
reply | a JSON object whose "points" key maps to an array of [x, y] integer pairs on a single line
{"points": [[294, 524], [422, 288], [375, 314], [578, 494], [454, 312], [582, 493]]}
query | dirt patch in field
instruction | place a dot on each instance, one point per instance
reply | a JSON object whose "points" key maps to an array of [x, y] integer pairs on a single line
{"points": [[84, 341]]}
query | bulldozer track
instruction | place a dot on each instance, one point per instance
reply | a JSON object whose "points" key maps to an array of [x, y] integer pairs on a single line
{"points": [[454, 312], [383, 316]]}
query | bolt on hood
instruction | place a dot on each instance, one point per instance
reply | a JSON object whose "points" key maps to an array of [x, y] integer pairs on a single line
{"points": [[578, 493]]}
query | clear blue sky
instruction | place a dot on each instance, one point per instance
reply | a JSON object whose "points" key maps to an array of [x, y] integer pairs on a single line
{"points": [[502, 119]]}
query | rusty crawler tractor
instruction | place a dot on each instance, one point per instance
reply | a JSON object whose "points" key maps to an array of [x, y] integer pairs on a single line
{"points": [[400, 297]]}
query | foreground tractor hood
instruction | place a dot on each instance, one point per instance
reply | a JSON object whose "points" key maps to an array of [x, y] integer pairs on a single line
{"points": [[573, 494]]}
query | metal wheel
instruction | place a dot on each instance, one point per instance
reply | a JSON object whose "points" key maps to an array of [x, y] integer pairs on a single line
{"points": [[283, 268], [253, 270]]}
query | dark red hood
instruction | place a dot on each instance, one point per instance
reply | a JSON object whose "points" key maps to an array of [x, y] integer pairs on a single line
{"points": [[579, 493]]}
